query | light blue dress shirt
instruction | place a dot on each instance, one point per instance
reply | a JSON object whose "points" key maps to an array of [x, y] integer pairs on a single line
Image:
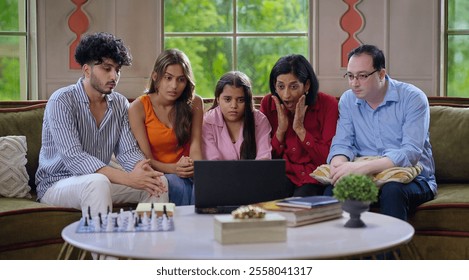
{"points": [[398, 129], [73, 144]]}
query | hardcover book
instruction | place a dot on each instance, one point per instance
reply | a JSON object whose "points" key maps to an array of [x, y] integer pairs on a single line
{"points": [[297, 216], [308, 201]]}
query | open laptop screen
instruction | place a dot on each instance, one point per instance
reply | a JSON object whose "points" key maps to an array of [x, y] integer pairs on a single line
{"points": [[221, 186]]}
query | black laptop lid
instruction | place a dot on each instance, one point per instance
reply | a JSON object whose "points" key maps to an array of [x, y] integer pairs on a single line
{"points": [[223, 185]]}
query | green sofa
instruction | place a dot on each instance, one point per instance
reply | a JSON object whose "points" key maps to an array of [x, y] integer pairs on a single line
{"points": [[31, 230], [442, 230]]}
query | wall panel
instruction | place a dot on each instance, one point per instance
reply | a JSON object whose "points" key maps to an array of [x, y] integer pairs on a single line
{"points": [[407, 31]]}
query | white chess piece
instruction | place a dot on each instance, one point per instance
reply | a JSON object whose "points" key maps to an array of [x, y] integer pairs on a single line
{"points": [[96, 224], [145, 219], [165, 223], [109, 223], [130, 223], [154, 220]]}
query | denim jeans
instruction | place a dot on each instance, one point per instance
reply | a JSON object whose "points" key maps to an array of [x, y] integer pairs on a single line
{"points": [[180, 190], [397, 199]]}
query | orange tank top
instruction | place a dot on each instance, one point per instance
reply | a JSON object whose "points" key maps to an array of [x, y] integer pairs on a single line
{"points": [[162, 139]]}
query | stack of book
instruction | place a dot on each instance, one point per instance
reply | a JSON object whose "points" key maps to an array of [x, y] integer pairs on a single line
{"points": [[304, 210]]}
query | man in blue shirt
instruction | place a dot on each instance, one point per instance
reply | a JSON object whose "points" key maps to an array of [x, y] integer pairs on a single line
{"points": [[379, 116], [84, 125]]}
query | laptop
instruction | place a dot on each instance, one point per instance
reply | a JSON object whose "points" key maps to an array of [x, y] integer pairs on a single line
{"points": [[221, 186]]}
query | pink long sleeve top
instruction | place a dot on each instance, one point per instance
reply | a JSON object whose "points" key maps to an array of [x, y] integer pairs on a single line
{"points": [[217, 144]]}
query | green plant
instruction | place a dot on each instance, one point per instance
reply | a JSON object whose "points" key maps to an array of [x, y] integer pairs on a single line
{"points": [[356, 187]]}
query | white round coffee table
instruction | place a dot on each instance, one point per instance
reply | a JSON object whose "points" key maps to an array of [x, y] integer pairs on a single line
{"points": [[193, 238]]}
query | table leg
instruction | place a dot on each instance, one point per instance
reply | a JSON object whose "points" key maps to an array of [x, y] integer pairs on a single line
{"points": [[67, 250]]}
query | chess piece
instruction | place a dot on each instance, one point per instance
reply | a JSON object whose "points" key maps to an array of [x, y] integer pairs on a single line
{"points": [[165, 223], [97, 224], [153, 220], [145, 219], [130, 224], [109, 225], [89, 212], [136, 221]]}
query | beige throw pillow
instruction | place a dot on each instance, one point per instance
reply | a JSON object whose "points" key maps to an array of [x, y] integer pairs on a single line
{"points": [[395, 174], [13, 175]]}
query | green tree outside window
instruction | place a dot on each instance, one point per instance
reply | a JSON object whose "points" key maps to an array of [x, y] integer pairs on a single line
{"points": [[10, 48], [457, 83], [245, 35]]}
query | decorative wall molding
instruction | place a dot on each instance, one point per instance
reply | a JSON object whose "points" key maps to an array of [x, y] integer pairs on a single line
{"points": [[352, 22], [78, 23]]}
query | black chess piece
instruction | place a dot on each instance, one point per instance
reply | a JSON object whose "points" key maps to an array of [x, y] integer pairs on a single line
{"points": [[89, 212], [86, 222], [165, 212]]}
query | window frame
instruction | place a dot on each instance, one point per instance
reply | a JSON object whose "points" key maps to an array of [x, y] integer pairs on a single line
{"points": [[27, 51], [310, 34], [445, 33]]}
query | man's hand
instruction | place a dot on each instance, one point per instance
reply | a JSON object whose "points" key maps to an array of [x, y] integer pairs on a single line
{"points": [[146, 178], [340, 166], [342, 169]]}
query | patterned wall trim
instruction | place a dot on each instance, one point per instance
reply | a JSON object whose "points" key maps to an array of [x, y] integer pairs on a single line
{"points": [[352, 22], [78, 23]]}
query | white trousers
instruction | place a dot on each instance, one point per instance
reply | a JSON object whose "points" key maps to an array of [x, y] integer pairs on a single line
{"points": [[96, 192]]}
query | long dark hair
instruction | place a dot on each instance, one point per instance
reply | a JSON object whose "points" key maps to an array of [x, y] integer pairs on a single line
{"points": [[181, 114], [239, 79], [299, 66]]}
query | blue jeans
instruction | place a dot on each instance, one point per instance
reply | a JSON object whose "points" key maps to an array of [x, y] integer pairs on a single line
{"points": [[180, 190], [398, 199]]}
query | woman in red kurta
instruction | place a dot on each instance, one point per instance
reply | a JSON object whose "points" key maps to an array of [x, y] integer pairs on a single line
{"points": [[303, 122]]}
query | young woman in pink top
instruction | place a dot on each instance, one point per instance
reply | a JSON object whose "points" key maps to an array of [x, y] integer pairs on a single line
{"points": [[232, 128]]}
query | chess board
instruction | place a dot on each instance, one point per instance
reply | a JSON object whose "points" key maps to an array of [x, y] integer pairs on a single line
{"points": [[126, 221]]}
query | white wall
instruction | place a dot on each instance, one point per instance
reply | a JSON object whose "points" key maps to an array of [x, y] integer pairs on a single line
{"points": [[407, 31]]}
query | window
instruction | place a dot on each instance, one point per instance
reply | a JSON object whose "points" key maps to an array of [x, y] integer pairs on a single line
{"points": [[457, 52], [13, 50], [246, 35]]}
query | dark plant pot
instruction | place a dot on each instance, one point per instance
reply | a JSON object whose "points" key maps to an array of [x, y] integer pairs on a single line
{"points": [[355, 208]]}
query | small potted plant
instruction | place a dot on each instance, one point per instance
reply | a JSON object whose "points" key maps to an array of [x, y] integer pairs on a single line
{"points": [[356, 192]]}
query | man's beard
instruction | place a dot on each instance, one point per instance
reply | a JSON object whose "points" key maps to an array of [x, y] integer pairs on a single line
{"points": [[95, 84]]}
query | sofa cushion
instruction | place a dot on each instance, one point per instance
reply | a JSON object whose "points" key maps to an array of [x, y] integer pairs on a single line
{"points": [[447, 212], [448, 134], [32, 224], [25, 121], [394, 174], [13, 175]]}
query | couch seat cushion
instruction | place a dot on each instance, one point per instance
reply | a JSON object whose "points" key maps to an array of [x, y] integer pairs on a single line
{"points": [[447, 212], [28, 122], [448, 128], [31, 223]]}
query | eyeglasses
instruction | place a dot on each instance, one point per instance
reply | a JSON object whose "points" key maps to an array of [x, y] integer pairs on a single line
{"points": [[360, 76]]}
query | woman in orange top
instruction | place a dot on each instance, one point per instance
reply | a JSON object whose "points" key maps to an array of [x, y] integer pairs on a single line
{"points": [[167, 123]]}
